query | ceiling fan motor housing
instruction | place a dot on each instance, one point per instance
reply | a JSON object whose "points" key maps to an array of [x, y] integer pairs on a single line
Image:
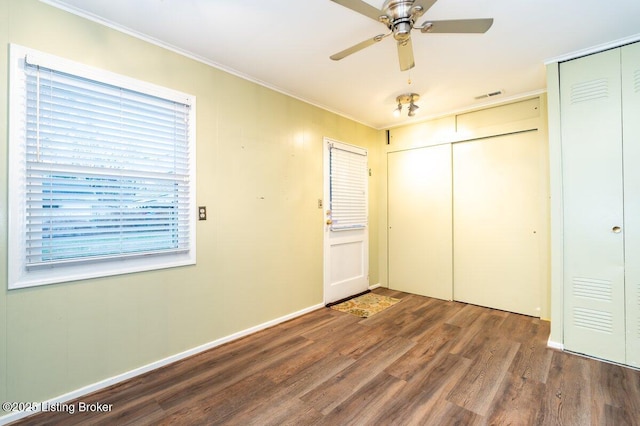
{"points": [[400, 15]]}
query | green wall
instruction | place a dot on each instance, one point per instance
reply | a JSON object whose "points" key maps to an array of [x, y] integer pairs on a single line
{"points": [[259, 254]]}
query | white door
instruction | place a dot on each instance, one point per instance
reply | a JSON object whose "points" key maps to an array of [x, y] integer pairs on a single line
{"points": [[420, 222], [346, 230], [500, 222], [594, 317], [631, 145]]}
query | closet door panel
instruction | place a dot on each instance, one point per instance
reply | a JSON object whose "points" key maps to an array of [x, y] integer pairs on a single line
{"points": [[631, 146], [590, 98], [500, 214], [419, 208]]}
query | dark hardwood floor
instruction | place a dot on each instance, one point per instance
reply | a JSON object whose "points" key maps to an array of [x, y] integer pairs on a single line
{"points": [[421, 362]]}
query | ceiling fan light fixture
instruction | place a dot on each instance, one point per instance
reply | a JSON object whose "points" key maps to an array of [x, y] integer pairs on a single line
{"points": [[398, 110], [408, 99], [412, 109]]}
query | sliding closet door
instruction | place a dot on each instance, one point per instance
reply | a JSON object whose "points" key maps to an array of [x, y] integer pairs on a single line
{"points": [[594, 287], [419, 203], [500, 222], [631, 146]]}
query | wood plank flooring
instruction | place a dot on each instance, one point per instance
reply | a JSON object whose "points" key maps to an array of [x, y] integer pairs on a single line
{"points": [[421, 362]]}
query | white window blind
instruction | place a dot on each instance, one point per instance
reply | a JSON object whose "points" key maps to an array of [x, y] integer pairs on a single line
{"points": [[348, 188], [107, 171]]}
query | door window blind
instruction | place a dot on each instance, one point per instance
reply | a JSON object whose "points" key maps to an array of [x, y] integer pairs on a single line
{"points": [[107, 170], [348, 188]]}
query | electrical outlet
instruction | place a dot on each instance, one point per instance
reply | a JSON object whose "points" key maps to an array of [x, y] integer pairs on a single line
{"points": [[202, 213]]}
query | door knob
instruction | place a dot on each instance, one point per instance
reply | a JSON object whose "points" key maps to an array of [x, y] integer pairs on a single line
{"points": [[616, 229]]}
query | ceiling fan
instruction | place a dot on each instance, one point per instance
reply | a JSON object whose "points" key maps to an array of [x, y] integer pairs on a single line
{"points": [[400, 17]]}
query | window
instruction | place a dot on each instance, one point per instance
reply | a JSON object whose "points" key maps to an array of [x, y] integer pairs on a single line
{"points": [[101, 177], [348, 187]]}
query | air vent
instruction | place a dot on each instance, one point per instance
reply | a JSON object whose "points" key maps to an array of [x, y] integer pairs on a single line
{"points": [[589, 90], [636, 81], [489, 95], [593, 289], [593, 320]]}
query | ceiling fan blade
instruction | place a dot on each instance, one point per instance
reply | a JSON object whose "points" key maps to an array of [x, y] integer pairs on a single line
{"points": [[457, 26], [358, 47], [361, 7], [405, 55]]}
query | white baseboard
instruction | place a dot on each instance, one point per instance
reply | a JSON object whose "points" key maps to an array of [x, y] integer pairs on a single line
{"points": [[62, 399], [555, 345], [371, 287]]}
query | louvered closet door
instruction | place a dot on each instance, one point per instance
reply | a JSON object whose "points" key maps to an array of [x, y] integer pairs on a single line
{"points": [[594, 287], [631, 138]]}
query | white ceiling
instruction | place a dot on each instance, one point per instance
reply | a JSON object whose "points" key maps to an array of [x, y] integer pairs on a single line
{"points": [[286, 44]]}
